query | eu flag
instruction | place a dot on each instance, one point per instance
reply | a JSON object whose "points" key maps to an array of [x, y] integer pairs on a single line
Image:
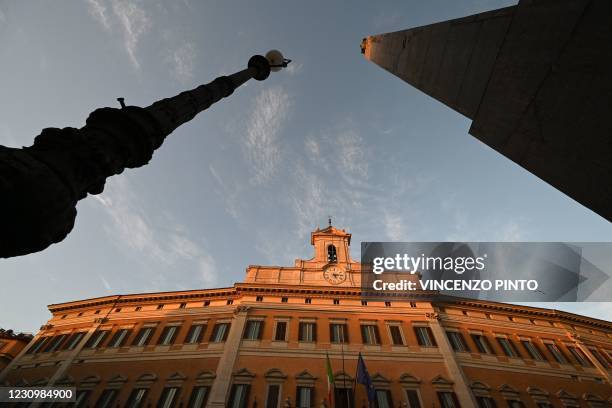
{"points": [[363, 377]]}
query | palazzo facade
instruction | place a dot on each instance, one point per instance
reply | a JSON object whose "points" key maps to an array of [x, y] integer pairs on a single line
{"points": [[264, 342]]}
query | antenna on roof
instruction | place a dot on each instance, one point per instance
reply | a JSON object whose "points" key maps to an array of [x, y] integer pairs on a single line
{"points": [[329, 220]]}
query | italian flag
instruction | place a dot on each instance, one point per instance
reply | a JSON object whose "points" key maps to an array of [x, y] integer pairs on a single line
{"points": [[330, 379]]}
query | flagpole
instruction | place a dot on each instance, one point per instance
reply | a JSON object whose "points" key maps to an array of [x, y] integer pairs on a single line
{"points": [[343, 371]]}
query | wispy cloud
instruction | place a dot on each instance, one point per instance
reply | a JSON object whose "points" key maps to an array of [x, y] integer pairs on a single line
{"points": [[97, 9], [182, 60], [309, 200], [134, 22], [107, 286], [131, 18], [162, 244], [352, 156], [261, 140], [294, 68]]}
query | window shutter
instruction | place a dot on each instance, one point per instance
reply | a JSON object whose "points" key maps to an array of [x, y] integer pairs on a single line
{"points": [[364, 337], [463, 342], [431, 337], [301, 331], [377, 334], [314, 332], [227, 329], [260, 332], [345, 335], [331, 333]]}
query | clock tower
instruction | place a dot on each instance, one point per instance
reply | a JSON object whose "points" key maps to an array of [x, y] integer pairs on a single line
{"points": [[331, 264]]}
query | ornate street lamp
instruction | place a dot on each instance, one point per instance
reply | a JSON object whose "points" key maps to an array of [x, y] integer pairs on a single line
{"points": [[41, 184]]}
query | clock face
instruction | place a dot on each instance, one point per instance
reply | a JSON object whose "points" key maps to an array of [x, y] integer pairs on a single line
{"points": [[334, 275]]}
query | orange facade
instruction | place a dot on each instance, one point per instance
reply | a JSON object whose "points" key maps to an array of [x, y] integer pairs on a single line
{"points": [[264, 342], [11, 345]]}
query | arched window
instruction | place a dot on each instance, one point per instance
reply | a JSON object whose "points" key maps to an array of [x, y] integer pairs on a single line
{"points": [[331, 254]]}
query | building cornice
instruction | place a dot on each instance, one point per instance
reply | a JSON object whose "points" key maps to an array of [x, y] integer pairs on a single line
{"points": [[322, 291]]}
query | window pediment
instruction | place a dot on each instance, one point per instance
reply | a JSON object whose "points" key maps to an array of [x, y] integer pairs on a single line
{"points": [[408, 380], [275, 374]]}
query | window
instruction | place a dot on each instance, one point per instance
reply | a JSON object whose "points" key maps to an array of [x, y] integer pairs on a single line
{"points": [[364, 303], [220, 332], [230, 301], [64, 316], [198, 397], [482, 343], [338, 333], [344, 398], [308, 301], [336, 301], [73, 340], [97, 339], [486, 402], [307, 331], [259, 299], [425, 337], [55, 343], [194, 335], [457, 341], [532, 350], [396, 335], [544, 405], [97, 312], [119, 338], [413, 399], [515, 404], [239, 396], [599, 357], [508, 346], [38, 344], [412, 304], [138, 308], [117, 310], [332, 256], [556, 353], [80, 314], [284, 299], [81, 398], [207, 303], [168, 335], [448, 399], [253, 330], [580, 357], [387, 304], [136, 398], [182, 305], [383, 399], [281, 331], [272, 396], [304, 397], [168, 397], [160, 307], [143, 337], [106, 399], [369, 334]]}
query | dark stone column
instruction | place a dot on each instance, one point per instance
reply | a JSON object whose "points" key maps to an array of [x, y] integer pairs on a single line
{"points": [[41, 184]]}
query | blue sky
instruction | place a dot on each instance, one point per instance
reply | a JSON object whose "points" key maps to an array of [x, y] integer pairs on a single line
{"points": [[246, 181]]}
